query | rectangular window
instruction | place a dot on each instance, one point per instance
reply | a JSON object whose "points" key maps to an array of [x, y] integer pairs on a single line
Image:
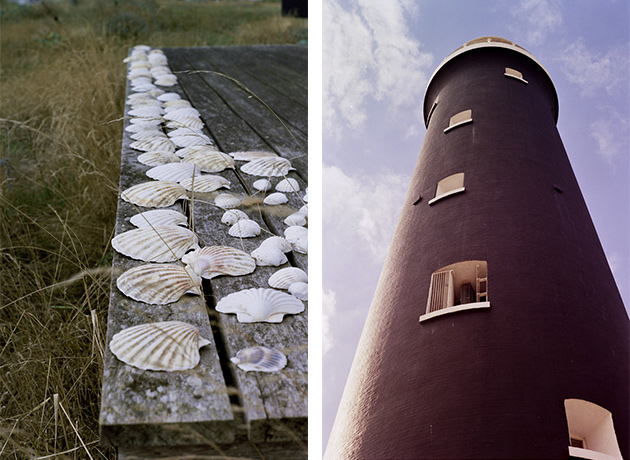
{"points": [[514, 74], [459, 119]]}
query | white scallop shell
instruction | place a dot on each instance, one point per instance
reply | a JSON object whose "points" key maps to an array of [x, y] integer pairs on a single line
{"points": [[305, 198], [260, 305], [205, 183], [298, 237], [144, 121], [166, 80], [299, 290], [159, 283], [277, 242], [150, 111], [159, 217], [166, 97], [267, 166], [154, 194], [288, 185], [261, 359], [163, 243], [165, 346], [304, 209], [173, 172], [148, 134], [191, 139], [186, 122], [275, 198], [181, 114], [175, 104], [211, 261], [157, 158], [296, 219], [156, 144], [231, 216], [244, 228], [184, 131], [137, 127], [285, 277], [251, 155], [267, 256], [262, 184], [227, 201], [183, 153], [209, 161]]}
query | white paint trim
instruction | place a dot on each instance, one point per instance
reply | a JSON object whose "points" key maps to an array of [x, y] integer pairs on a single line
{"points": [[456, 308], [457, 124], [444, 195], [590, 454], [516, 78]]}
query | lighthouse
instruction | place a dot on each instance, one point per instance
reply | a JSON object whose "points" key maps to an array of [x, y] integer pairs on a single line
{"points": [[496, 329]]}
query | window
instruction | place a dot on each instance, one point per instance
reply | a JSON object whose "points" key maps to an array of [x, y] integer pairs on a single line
{"points": [[591, 431], [456, 287], [435, 103], [514, 74], [449, 186], [460, 119]]}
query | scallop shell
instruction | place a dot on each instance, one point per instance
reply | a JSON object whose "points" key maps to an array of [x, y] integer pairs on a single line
{"points": [[227, 201], [154, 194], [166, 80], [296, 219], [159, 217], [262, 184], [163, 243], [205, 183], [231, 216], [184, 131], [261, 359], [276, 198], [305, 198], [173, 172], [181, 114], [149, 111], [299, 290], [288, 185], [260, 305], [269, 256], [186, 122], [159, 283], [285, 277], [157, 158], [304, 209], [148, 134], [165, 346], [156, 144], [251, 155], [267, 166], [137, 127], [244, 228], [209, 161], [298, 237], [183, 153], [211, 261], [277, 242], [191, 139], [175, 104], [166, 97]]}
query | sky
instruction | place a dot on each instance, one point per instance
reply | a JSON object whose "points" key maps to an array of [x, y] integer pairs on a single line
{"points": [[377, 59]]}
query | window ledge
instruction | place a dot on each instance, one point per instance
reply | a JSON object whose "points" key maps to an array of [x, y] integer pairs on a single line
{"points": [[458, 124], [449, 193], [591, 454], [516, 78], [456, 308]]}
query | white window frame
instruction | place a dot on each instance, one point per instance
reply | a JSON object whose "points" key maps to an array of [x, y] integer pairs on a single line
{"points": [[594, 426], [459, 119], [513, 73], [449, 186]]}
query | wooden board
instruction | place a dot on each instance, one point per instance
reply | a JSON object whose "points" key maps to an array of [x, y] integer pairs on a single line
{"points": [[216, 404]]}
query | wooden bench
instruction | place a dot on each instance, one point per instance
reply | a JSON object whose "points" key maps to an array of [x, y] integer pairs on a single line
{"points": [[216, 410]]}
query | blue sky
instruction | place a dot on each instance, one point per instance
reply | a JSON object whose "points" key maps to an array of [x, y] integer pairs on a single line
{"points": [[378, 57]]}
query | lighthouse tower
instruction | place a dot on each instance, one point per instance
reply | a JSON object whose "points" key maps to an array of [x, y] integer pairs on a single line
{"points": [[497, 330]]}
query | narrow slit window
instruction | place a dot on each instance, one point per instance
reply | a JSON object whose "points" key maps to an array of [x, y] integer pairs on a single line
{"points": [[449, 186], [512, 73], [591, 431], [435, 103], [456, 287], [459, 119]]}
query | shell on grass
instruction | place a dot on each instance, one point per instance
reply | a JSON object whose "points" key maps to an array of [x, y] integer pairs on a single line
{"points": [[164, 346], [299, 290], [288, 185], [159, 217], [205, 183], [261, 359], [267, 167], [260, 305], [269, 256], [285, 277], [231, 216], [154, 194], [173, 172], [227, 201], [163, 243], [211, 261], [244, 228], [159, 283]]}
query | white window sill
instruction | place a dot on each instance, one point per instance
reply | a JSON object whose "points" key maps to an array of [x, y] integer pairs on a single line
{"points": [[516, 78], [456, 308], [458, 124], [591, 454], [449, 193]]}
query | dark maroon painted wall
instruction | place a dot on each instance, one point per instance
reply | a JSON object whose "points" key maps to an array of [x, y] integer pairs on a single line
{"points": [[489, 383]]}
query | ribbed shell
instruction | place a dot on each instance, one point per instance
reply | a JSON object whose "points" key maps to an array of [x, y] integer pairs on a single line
{"points": [[154, 194], [154, 144], [227, 201], [159, 283], [269, 256], [296, 219], [166, 80], [173, 172], [275, 198], [181, 114], [262, 184], [277, 242], [251, 155], [151, 111], [285, 277], [164, 243], [205, 183], [159, 217], [190, 139], [260, 305], [288, 185], [244, 228], [211, 261], [299, 290], [166, 97], [209, 160], [298, 237], [231, 216], [148, 134], [157, 158], [261, 359], [267, 167], [165, 346], [185, 122]]}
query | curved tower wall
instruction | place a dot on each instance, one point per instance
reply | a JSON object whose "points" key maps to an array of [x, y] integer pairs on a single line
{"points": [[489, 382]]}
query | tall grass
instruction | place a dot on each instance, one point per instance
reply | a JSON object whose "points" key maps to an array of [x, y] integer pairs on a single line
{"points": [[61, 99]]}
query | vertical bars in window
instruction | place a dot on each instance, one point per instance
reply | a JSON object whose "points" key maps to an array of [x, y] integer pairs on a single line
{"points": [[441, 293]]}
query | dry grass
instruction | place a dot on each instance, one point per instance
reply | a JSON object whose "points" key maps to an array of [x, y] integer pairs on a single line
{"points": [[62, 93]]}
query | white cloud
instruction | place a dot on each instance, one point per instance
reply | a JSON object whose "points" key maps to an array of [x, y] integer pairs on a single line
{"points": [[540, 18], [612, 134], [593, 71], [329, 304], [361, 212], [368, 54]]}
